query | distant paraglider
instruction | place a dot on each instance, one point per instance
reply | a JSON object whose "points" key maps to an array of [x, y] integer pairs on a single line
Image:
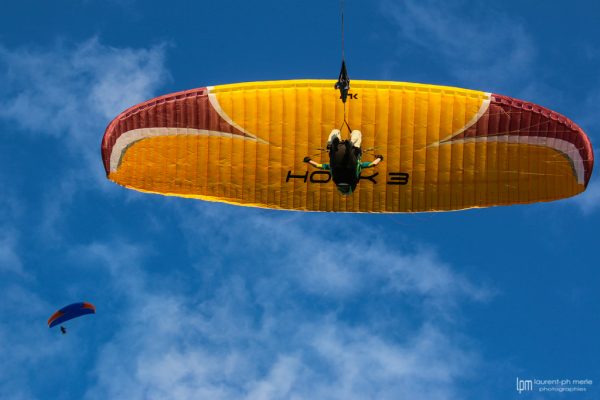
{"points": [[69, 312]]}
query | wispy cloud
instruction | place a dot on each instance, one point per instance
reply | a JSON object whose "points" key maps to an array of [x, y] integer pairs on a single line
{"points": [[330, 257], [10, 211], [72, 91], [254, 324], [261, 333], [25, 346], [9, 258], [589, 201], [478, 45], [588, 112], [69, 93], [174, 347]]}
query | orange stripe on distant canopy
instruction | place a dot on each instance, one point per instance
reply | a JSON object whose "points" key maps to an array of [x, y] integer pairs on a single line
{"points": [[55, 316], [88, 305]]}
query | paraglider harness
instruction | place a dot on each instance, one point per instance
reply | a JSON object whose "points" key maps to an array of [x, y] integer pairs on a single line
{"points": [[344, 160]]}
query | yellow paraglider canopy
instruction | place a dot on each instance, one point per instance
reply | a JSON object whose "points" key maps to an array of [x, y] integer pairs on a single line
{"points": [[445, 148]]}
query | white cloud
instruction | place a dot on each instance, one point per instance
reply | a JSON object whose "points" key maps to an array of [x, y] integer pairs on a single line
{"points": [[9, 258], [25, 345], [475, 43], [364, 365], [54, 91], [327, 258], [121, 260], [248, 332], [172, 358], [184, 356], [589, 201], [72, 92], [10, 213]]}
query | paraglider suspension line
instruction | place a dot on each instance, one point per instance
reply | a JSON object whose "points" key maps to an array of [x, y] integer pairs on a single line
{"points": [[345, 122], [343, 83], [342, 13]]}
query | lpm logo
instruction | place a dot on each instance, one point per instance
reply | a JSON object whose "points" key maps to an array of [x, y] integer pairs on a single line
{"points": [[524, 385]]}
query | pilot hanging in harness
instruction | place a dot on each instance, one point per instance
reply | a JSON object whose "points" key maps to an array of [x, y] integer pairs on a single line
{"points": [[344, 164]]}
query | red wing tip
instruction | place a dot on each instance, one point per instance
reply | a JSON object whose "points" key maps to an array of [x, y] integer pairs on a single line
{"points": [[108, 139]]}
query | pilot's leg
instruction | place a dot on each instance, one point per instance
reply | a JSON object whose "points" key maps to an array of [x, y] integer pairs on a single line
{"points": [[334, 133], [356, 138]]}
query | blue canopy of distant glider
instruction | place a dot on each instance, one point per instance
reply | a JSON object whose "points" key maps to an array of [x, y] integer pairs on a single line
{"points": [[69, 312]]}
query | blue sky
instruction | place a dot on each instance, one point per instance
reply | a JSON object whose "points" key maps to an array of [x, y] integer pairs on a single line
{"points": [[201, 300]]}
